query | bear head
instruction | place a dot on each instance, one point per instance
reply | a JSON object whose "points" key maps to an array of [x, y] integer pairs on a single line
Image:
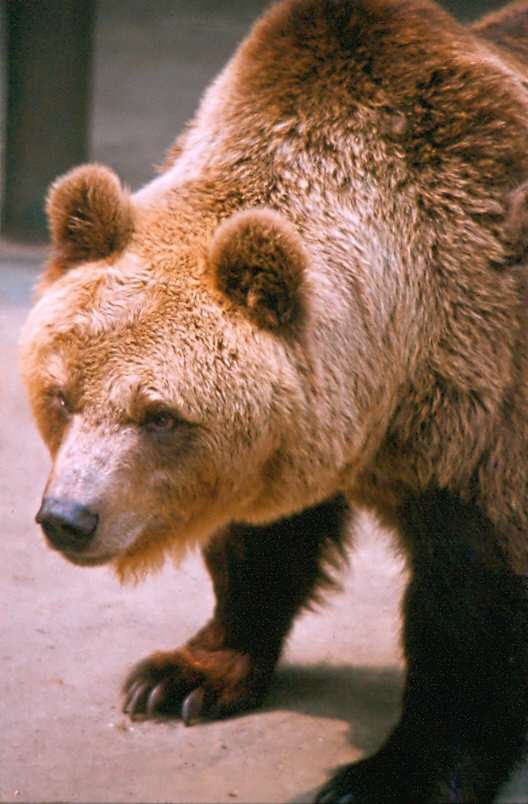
{"points": [[165, 377]]}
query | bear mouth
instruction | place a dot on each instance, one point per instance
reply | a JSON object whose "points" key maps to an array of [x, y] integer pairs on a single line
{"points": [[86, 561]]}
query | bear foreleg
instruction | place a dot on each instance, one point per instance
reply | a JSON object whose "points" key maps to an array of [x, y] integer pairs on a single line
{"points": [[262, 577]]}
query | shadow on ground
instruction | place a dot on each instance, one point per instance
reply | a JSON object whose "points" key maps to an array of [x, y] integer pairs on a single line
{"points": [[366, 698]]}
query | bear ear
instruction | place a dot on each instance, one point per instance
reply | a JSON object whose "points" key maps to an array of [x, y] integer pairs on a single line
{"points": [[89, 214], [258, 262]]}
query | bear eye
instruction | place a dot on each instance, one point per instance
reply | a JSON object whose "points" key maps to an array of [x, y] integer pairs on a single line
{"points": [[59, 401], [160, 420]]}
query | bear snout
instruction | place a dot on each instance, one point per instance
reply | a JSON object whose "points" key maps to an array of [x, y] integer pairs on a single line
{"points": [[68, 526]]}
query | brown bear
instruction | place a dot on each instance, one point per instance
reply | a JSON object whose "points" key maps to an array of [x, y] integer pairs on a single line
{"points": [[319, 305]]}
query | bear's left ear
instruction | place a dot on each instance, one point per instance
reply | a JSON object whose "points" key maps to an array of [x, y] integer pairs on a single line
{"points": [[258, 262], [89, 214]]}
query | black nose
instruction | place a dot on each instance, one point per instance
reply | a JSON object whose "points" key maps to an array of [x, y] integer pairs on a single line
{"points": [[67, 525]]}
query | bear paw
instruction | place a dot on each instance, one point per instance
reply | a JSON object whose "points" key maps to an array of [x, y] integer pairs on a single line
{"points": [[193, 683]]}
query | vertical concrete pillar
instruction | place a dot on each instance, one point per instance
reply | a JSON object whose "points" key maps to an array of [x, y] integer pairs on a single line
{"points": [[47, 65]]}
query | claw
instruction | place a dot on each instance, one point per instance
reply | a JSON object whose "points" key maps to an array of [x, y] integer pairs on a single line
{"points": [[128, 697], [134, 705], [130, 688], [192, 706], [154, 698]]}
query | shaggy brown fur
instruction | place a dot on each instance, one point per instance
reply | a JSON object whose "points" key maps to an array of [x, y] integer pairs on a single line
{"points": [[320, 303]]}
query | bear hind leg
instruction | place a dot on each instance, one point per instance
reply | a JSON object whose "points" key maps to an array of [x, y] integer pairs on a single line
{"points": [[262, 577], [465, 703]]}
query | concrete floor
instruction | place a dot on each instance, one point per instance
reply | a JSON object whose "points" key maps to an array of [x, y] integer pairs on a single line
{"points": [[68, 635]]}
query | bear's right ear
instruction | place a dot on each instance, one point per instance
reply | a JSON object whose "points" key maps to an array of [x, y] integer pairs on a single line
{"points": [[89, 215]]}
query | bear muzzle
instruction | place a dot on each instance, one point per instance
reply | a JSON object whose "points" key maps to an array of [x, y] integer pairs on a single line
{"points": [[69, 526]]}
